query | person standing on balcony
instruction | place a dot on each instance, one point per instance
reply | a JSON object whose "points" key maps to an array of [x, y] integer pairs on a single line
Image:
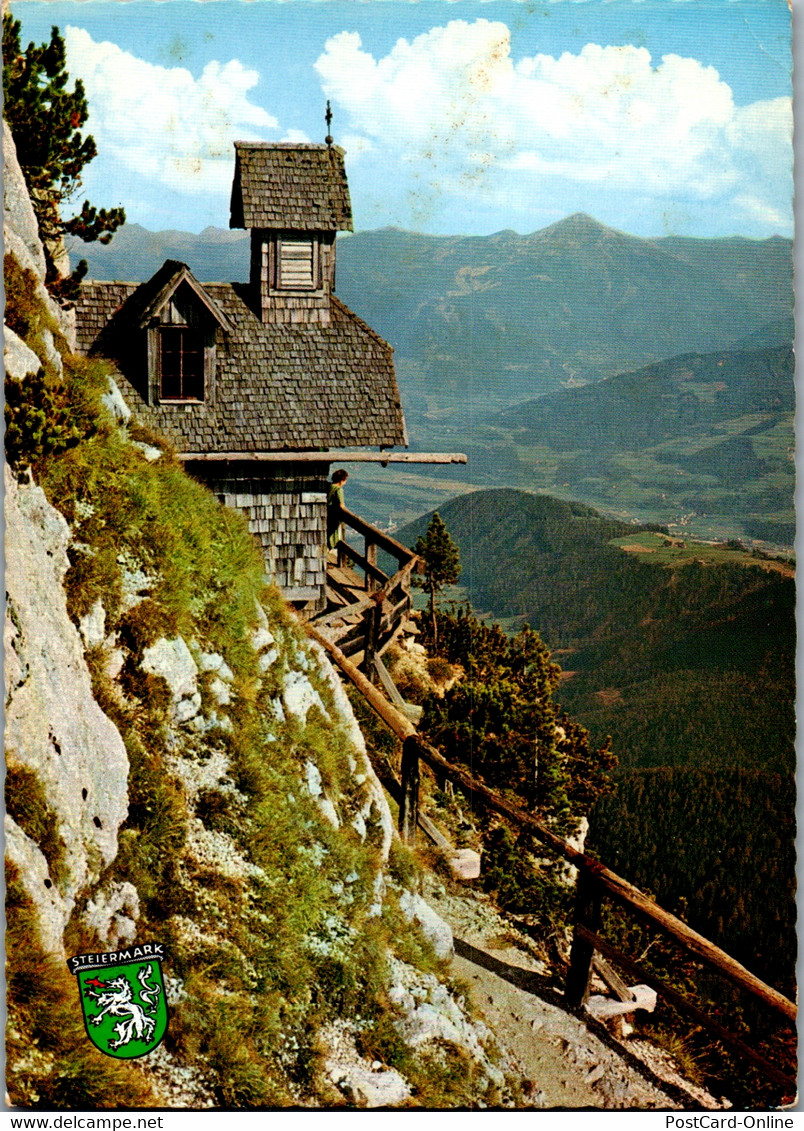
{"points": [[335, 504]]}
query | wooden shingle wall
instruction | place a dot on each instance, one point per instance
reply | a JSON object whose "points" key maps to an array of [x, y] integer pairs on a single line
{"points": [[288, 516]]}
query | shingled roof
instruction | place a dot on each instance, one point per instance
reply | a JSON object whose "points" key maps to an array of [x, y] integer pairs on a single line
{"points": [[277, 387], [290, 187]]}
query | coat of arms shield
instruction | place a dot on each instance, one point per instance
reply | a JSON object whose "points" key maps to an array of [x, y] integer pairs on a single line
{"points": [[123, 999]]}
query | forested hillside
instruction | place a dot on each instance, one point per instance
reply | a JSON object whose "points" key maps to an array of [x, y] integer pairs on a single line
{"points": [[689, 666], [719, 843]]}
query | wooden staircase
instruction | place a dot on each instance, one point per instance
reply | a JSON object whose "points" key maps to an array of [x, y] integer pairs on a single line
{"points": [[367, 609]]}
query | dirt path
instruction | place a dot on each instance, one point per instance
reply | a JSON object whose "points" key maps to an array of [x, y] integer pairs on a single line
{"points": [[561, 1062]]}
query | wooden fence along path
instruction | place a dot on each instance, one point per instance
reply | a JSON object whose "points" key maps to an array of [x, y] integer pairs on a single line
{"points": [[594, 882]]}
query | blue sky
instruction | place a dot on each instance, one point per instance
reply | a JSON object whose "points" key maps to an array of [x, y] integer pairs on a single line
{"points": [[458, 116]]}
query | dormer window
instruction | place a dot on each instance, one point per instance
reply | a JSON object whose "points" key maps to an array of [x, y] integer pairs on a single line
{"points": [[181, 364], [182, 324]]}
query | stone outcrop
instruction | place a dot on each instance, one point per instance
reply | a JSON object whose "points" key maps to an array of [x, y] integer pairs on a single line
{"points": [[21, 234], [20, 229], [54, 727]]}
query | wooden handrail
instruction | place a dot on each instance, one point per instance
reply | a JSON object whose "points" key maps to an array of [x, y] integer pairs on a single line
{"points": [[370, 569], [344, 611], [617, 887], [384, 541], [614, 885], [596, 943]]}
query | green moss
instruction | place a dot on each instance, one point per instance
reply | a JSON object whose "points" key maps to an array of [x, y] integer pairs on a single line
{"points": [[402, 865], [142, 626], [288, 944], [155, 829], [24, 312]]}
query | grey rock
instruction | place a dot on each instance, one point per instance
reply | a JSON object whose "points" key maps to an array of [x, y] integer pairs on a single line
{"points": [[435, 930], [220, 692], [329, 812], [113, 914], [21, 236], [313, 779], [54, 727], [151, 453], [187, 709], [52, 911], [92, 626], [366, 1084], [214, 662], [20, 361], [113, 400], [299, 695], [49, 352], [173, 661], [19, 214]]}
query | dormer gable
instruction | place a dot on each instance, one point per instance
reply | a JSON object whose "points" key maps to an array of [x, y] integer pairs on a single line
{"points": [[181, 323], [293, 199]]}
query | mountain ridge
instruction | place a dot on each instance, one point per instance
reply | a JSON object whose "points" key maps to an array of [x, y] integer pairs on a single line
{"points": [[508, 317]]}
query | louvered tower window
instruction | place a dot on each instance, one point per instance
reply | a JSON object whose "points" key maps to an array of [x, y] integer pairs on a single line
{"points": [[297, 263]]}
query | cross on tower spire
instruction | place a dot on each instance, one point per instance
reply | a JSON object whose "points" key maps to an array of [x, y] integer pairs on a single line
{"points": [[328, 116]]}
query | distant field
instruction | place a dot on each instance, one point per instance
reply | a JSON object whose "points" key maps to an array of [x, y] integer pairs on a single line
{"points": [[660, 549]]}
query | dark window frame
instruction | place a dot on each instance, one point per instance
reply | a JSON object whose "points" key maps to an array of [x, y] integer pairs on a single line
{"points": [[187, 362]]}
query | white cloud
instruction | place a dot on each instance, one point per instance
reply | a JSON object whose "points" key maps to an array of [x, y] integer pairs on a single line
{"points": [[470, 119], [162, 123], [295, 137]]}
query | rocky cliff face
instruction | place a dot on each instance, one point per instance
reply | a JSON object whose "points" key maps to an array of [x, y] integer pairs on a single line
{"points": [[184, 766]]}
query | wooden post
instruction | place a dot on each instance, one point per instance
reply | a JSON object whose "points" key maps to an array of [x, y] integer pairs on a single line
{"points": [[587, 911], [371, 558], [409, 802], [371, 619]]}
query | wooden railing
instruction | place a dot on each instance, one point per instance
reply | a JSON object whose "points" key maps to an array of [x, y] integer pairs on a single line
{"points": [[594, 882], [365, 628]]}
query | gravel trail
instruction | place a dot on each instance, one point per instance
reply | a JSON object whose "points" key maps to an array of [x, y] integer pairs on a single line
{"points": [[562, 1063]]}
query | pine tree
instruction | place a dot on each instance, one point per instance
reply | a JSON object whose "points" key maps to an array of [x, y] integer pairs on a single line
{"points": [[442, 564], [45, 119]]}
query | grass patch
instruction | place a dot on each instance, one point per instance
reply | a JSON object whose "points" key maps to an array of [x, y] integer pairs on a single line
{"points": [[262, 905]]}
